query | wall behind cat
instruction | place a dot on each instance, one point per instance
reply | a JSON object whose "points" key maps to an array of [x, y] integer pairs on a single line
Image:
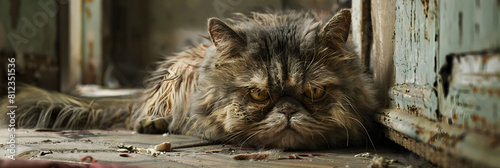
{"points": [[143, 32], [114, 43]]}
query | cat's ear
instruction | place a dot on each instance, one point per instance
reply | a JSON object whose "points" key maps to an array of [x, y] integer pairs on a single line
{"points": [[223, 36], [337, 28]]}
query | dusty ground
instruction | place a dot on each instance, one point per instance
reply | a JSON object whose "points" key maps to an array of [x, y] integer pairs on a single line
{"points": [[71, 146]]}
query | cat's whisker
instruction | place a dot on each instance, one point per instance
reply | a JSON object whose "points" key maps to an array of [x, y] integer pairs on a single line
{"points": [[346, 99], [326, 140], [366, 131], [237, 134], [269, 93], [232, 137], [345, 127], [258, 131], [309, 65], [350, 99]]}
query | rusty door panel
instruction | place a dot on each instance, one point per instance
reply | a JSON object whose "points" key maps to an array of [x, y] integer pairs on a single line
{"points": [[443, 106]]}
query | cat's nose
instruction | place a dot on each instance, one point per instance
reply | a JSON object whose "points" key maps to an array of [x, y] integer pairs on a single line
{"points": [[287, 111]]}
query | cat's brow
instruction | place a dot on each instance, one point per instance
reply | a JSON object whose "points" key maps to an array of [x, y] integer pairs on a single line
{"points": [[327, 81], [257, 81], [324, 78]]}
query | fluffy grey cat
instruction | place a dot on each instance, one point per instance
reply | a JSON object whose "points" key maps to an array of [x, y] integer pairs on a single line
{"points": [[268, 80]]}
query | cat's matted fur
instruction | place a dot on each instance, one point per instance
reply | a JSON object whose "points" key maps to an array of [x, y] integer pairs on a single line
{"points": [[275, 81]]}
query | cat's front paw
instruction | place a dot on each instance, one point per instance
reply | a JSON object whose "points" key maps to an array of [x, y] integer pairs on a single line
{"points": [[152, 126]]}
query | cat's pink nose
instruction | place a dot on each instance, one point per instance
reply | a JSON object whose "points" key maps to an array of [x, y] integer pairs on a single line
{"points": [[287, 111]]}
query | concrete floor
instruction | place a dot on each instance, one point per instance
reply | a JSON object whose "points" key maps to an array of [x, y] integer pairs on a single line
{"points": [[71, 146]]}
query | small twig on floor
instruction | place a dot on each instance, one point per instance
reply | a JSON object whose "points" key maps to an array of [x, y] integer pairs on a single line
{"points": [[112, 144], [193, 145]]}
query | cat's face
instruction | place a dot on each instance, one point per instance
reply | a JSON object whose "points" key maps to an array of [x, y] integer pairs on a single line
{"points": [[284, 85]]}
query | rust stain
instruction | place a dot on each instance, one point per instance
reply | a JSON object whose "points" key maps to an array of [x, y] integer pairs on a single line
{"points": [[425, 2], [455, 117], [487, 58], [475, 118], [491, 92], [414, 109], [89, 73], [498, 92], [419, 130], [91, 48], [89, 1], [474, 89], [87, 12], [448, 139], [425, 5]]}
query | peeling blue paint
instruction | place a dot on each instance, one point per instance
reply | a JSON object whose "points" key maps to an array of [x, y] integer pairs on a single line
{"points": [[473, 92], [448, 101], [414, 55]]}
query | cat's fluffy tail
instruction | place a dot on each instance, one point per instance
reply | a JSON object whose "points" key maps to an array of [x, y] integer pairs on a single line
{"points": [[37, 108]]}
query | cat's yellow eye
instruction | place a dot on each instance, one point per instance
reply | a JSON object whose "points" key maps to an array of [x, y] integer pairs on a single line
{"points": [[314, 92], [259, 95]]}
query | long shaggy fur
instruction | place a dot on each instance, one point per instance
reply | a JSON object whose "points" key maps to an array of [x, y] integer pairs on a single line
{"points": [[170, 88], [37, 108]]}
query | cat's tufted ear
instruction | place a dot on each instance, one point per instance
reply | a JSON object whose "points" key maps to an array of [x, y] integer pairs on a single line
{"points": [[337, 28], [223, 36]]}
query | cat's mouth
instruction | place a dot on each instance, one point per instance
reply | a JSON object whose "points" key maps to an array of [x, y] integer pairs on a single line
{"points": [[286, 138], [288, 129]]}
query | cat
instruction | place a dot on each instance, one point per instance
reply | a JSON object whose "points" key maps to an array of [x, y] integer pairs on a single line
{"points": [[286, 81]]}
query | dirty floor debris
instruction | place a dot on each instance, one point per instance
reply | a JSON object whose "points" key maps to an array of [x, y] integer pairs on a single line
{"points": [[128, 148]]}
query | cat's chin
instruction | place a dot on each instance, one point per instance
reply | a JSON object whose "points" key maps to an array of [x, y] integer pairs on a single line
{"points": [[288, 133], [287, 138]]}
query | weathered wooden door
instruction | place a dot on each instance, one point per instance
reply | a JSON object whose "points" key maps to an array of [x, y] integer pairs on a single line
{"points": [[437, 64]]}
